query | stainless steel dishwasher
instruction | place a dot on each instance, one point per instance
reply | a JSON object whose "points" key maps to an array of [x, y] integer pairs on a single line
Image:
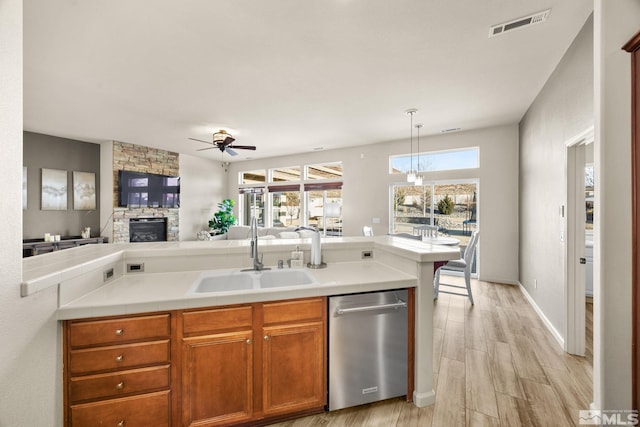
{"points": [[367, 347]]}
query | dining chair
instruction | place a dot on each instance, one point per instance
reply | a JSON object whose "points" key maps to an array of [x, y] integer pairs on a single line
{"points": [[463, 265], [367, 231]]}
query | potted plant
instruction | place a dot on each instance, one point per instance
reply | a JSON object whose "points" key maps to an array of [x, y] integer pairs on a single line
{"points": [[224, 218]]}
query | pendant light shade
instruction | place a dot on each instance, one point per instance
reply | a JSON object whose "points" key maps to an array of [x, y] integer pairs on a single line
{"points": [[411, 175], [418, 177]]}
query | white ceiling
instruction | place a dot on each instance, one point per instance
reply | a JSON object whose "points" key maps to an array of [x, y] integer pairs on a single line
{"points": [[285, 75]]}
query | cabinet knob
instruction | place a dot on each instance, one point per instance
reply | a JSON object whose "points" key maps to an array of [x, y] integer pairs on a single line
{"points": [[120, 385], [119, 332], [119, 358], [266, 337], [121, 423], [248, 341]]}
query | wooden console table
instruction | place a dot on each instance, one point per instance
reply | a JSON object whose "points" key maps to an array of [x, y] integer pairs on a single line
{"points": [[37, 247]]}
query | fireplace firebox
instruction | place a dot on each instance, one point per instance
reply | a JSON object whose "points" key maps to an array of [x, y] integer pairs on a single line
{"points": [[148, 229]]}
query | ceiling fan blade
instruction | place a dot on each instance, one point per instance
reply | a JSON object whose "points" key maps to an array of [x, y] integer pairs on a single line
{"points": [[208, 148], [199, 140], [230, 151], [244, 147], [228, 140]]}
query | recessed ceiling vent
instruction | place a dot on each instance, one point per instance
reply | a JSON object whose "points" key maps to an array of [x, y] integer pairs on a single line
{"points": [[536, 18]]}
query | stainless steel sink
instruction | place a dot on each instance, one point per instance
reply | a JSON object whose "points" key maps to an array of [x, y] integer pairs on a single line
{"points": [[230, 281]]}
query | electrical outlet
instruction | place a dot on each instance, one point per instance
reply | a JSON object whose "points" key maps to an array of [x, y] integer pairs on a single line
{"points": [[107, 274], [135, 268]]}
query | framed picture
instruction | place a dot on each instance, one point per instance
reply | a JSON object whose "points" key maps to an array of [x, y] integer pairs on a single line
{"points": [[54, 190], [24, 188], [84, 191]]}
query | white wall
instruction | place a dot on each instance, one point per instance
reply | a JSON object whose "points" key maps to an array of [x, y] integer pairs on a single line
{"points": [[106, 190], [30, 368], [562, 109], [203, 184], [615, 23], [366, 188]]}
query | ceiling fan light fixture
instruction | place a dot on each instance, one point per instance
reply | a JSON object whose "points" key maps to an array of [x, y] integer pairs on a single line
{"points": [[220, 136]]}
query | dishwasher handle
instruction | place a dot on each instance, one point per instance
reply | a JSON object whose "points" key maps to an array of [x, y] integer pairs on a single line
{"points": [[396, 305]]}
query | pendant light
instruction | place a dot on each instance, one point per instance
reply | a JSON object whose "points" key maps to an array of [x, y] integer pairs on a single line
{"points": [[418, 180], [411, 175]]}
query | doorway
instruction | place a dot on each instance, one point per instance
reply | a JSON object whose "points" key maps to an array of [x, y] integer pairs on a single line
{"points": [[578, 236]]}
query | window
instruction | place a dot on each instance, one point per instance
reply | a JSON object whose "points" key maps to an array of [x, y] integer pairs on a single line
{"points": [[252, 205], [253, 177], [283, 197], [285, 205], [330, 171], [324, 207], [285, 174], [467, 158], [416, 205]]}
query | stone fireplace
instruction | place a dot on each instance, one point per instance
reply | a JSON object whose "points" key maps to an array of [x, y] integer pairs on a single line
{"points": [[148, 229], [138, 158]]}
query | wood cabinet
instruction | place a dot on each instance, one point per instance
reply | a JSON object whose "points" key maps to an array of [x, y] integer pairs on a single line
{"points": [[251, 362], [38, 246], [293, 356], [217, 366], [118, 371], [241, 364]]}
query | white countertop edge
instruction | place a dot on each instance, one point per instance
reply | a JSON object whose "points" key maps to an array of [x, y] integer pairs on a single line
{"points": [[171, 291], [285, 293], [45, 271]]}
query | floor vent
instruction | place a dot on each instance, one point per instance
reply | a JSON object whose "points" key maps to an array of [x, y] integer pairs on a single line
{"points": [[536, 18]]}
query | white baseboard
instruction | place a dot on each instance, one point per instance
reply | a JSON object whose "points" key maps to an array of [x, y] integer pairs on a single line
{"points": [[542, 316], [424, 399]]}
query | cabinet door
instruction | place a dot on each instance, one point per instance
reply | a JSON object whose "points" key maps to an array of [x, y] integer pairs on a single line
{"points": [[217, 379], [294, 372]]}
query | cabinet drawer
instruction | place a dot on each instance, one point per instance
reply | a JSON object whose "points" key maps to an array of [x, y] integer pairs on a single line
{"points": [[119, 357], [145, 410], [289, 311], [119, 383], [198, 322], [114, 331]]}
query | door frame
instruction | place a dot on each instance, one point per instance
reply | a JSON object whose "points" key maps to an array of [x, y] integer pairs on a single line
{"points": [[574, 248]]}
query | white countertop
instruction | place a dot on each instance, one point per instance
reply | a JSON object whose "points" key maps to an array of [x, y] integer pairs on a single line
{"points": [[147, 292], [140, 292]]}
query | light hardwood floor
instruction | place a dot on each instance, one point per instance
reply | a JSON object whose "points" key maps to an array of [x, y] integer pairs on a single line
{"points": [[495, 364]]}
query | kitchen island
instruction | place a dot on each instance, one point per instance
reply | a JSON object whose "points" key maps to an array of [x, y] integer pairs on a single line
{"points": [[133, 279]]}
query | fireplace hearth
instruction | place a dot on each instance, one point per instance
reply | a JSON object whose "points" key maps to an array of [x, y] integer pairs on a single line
{"points": [[148, 229]]}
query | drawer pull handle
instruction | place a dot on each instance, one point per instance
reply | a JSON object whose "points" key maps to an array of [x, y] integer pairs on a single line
{"points": [[120, 385], [119, 358], [119, 332], [266, 337], [249, 341], [121, 423]]}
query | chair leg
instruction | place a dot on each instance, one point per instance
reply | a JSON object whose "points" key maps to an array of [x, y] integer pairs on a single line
{"points": [[436, 283], [467, 280]]}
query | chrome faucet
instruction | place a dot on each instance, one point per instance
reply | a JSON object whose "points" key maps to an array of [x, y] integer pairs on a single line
{"points": [[316, 249], [257, 258]]}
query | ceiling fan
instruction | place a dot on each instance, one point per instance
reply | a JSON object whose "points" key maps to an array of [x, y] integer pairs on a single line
{"points": [[224, 142]]}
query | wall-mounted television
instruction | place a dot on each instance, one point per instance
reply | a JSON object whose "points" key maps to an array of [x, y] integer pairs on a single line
{"points": [[148, 190]]}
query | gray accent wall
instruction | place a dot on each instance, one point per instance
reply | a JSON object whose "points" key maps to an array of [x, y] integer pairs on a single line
{"points": [[562, 110], [51, 152]]}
